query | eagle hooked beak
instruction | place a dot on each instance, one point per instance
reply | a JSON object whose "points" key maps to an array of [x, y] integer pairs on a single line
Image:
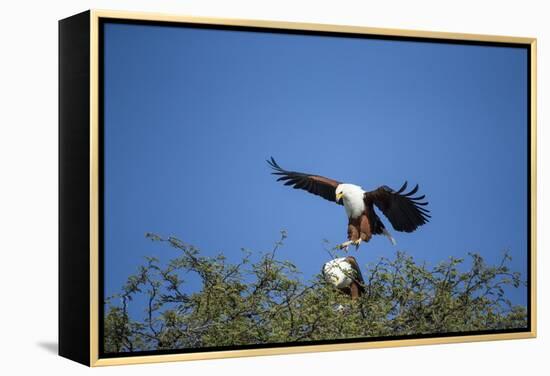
{"points": [[339, 196]]}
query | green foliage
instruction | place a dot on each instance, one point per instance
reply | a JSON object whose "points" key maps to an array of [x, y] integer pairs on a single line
{"points": [[265, 301]]}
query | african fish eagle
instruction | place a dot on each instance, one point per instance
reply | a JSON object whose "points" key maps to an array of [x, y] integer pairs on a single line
{"points": [[405, 213], [344, 274]]}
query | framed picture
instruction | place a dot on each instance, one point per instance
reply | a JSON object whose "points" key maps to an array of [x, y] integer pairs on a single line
{"points": [[235, 188]]}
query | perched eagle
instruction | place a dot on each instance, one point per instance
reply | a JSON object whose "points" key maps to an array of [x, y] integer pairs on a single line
{"points": [[405, 213], [344, 274]]}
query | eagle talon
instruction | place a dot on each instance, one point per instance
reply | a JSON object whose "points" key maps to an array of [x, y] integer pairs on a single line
{"points": [[344, 245]]}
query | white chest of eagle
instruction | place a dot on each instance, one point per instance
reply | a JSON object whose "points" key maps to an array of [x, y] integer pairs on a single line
{"points": [[353, 199], [339, 273]]}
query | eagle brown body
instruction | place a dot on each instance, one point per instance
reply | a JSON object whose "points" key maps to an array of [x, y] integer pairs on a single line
{"points": [[359, 228]]}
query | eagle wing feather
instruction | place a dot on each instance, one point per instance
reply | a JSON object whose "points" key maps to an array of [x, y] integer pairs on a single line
{"points": [[315, 184], [355, 266], [406, 213]]}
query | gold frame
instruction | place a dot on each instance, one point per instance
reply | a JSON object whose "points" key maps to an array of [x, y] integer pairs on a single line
{"points": [[94, 188]]}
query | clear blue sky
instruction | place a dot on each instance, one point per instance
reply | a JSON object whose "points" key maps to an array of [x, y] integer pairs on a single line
{"points": [[191, 115]]}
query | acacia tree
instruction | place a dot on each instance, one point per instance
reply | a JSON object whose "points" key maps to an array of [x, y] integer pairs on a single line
{"points": [[264, 300]]}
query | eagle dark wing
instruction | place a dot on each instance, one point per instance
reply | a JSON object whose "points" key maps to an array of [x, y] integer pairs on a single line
{"points": [[318, 185], [405, 213], [355, 266]]}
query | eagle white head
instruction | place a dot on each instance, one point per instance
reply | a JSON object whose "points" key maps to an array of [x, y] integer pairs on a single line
{"points": [[338, 272], [352, 198]]}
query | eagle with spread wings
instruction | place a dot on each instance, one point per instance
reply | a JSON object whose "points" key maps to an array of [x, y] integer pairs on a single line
{"points": [[405, 212]]}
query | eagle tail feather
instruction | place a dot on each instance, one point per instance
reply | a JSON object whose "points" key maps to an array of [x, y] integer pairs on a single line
{"points": [[389, 236]]}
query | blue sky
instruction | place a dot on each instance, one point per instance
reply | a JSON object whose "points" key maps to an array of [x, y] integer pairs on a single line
{"points": [[192, 114]]}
